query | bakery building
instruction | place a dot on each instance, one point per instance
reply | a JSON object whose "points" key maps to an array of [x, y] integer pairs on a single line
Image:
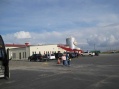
{"points": [[23, 51]]}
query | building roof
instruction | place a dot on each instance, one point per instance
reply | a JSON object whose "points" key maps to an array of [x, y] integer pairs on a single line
{"points": [[24, 45], [65, 47], [15, 45]]}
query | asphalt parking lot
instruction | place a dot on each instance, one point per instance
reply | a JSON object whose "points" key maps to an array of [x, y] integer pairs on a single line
{"points": [[98, 72]]}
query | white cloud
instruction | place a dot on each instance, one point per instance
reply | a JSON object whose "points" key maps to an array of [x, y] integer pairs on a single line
{"points": [[53, 21], [86, 37], [104, 38], [22, 35]]}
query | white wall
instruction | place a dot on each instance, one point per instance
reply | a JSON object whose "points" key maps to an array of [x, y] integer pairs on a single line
{"points": [[18, 53], [43, 48], [25, 52]]}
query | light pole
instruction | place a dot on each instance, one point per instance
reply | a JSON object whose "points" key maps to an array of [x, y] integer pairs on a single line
{"points": [[94, 46]]}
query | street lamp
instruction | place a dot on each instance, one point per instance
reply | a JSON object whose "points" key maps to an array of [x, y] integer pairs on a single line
{"points": [[94, 46]]}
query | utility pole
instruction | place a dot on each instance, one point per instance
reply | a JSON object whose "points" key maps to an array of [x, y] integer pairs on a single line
{"points": [[94, 46]]}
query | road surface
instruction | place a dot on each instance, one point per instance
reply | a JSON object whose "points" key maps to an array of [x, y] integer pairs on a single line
{"points": [[98, 72]]}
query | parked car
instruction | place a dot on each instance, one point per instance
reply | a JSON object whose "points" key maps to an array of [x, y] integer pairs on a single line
{"points": [[51, 56], [72, 55], [96, 52], [35, 57], [87, 54]]}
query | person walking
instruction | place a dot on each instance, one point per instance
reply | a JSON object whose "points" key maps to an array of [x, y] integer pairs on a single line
{"points": [[59, 55], [68, 59], [64, 59]]}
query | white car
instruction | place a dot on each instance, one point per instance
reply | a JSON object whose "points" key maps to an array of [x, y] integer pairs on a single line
{"points": [[51, 56], [87, 54]]}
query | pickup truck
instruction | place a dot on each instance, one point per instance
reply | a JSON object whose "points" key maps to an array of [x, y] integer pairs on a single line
{"points": [[87, 54]]}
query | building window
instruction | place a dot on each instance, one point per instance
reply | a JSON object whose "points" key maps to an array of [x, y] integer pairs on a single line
{"points": [[14, 55], [25, 54], [39, 52], [32, 52], [19, 55]]}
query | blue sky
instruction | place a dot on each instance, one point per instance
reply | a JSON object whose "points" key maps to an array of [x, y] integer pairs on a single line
{"points": [[52, 21]]}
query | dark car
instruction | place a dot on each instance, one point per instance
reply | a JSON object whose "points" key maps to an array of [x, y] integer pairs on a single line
{"points": [[73, 55], [35, 57]]}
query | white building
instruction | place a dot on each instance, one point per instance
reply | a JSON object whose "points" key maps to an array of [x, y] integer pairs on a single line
{"points": [[22, 52]]}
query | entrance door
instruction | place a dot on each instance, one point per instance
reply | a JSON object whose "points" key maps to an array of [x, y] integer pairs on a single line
{"points": [[19, 55]]}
